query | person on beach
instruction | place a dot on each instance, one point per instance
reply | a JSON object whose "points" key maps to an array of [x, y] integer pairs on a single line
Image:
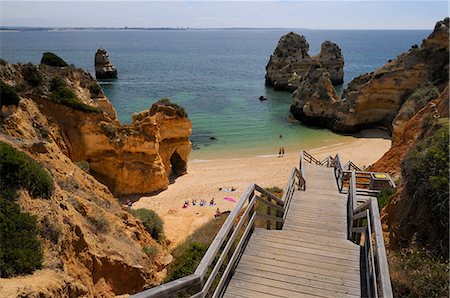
{"points": [[282, 151], [194, 202], [186, 204], [279, 152], [218, 213], [212, 203]]}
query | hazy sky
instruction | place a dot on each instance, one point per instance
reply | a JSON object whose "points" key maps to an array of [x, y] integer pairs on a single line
{"points": [[225, 14]]}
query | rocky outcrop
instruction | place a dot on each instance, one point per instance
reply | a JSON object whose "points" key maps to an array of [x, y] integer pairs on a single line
{"points": [[129, 159], [103, 68], [290, 62], [377, 98], [332, 61], [315, 94], [92, 245]]}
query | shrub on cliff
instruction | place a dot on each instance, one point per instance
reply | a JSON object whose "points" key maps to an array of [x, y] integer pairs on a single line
{"points": [[152, 222], [51, 59], [18, 170], [67, 97], [20, 249], [187, 262], [95, 89], [426, 176], [31, 74], [8, 96], [181, 112]]}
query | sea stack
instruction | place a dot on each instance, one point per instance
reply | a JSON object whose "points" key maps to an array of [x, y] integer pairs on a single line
{"points": [[332, 60], [103, 68], [290, 62]]}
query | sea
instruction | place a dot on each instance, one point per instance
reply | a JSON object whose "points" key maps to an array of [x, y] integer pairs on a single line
{"points": [[217, 75]]}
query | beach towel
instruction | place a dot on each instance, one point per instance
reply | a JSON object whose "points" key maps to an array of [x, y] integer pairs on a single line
{"points": [[230, 199]]}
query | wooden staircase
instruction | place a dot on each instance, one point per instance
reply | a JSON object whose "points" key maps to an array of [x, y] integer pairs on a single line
{"points": [[319, 241], [311, 256]]}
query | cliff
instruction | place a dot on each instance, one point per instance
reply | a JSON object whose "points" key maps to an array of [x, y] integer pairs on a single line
{"points": [[129, 159], [92, 245], [290, 62], [388, 94]]}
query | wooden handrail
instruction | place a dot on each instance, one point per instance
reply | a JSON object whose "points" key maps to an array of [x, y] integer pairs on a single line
{"points": [[365, 220], [203, 277]]}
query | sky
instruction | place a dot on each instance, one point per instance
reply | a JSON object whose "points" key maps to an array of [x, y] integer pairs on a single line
{"points": [[225, 14]]}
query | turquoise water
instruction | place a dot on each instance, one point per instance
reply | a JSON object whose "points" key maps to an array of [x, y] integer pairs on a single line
{"points": [[217, 75]]}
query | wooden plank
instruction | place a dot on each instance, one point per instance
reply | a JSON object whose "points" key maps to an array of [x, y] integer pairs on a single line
{"points": [[316, 239], [306, 260], [298, 278], [263, 288], [318, 231], [295, 289], [350, 257], [233, 291], [316, 279], [303, 243], [324, 270], [302, 222], [300, 213]]}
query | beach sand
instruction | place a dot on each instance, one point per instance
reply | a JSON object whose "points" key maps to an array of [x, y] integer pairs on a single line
{"points": [[205, 177]]}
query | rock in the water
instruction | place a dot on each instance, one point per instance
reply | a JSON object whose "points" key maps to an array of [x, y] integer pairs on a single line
{"points": [[386, 97], [332, 61], [103, 68], [290, 62], [315, 96]]}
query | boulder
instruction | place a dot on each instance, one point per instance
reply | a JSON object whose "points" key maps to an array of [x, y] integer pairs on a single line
{"points": [[103, 68]]}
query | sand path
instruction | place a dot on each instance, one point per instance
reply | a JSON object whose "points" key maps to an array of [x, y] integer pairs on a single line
{"points": [[204, 179]]}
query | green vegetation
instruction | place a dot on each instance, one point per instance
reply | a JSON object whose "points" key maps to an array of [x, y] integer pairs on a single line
{"points": [[84, 165], [152, 222], [51, 59], [150, 251], [8, 96], [384, 196], [31, 74], [188, 254], [18, 170], [50, 230], [187, 262], [95, 89], [426, 176], [416, 272], [67, 97], [56, 82], [20, 249], [99, 222], [181, 112]]}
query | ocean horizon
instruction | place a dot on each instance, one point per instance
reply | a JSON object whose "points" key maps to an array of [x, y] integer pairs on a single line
{"points": [[216, 74]]}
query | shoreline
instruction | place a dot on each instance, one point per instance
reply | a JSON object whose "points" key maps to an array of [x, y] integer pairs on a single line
{"points": [[206, 176]]}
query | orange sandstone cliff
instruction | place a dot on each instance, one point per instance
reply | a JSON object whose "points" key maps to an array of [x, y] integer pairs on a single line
{"points": [[92, 245]]}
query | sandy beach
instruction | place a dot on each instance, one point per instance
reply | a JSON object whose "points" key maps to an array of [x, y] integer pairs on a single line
{"points": [[206, 177]]}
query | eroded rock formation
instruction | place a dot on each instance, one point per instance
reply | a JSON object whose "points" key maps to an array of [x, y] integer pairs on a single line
{"points": [[129, 159], [388, 94], [92, 246], [315, 94], [290, 62], [103, 68]]}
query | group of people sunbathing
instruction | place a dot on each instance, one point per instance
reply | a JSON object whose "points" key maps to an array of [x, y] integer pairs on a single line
{"points": [[202, 203]]}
